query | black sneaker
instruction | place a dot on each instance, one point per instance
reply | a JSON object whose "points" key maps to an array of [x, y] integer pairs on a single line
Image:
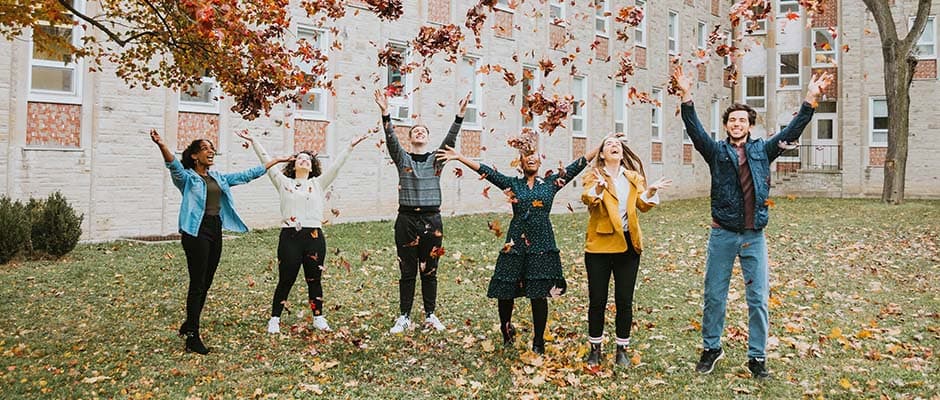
{"points": [[758, 367], [709, 358]]}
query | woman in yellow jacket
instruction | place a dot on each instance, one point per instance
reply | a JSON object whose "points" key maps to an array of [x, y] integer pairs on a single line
{"points": [[613, 193]]}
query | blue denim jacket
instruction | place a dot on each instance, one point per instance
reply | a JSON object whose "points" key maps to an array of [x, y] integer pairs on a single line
{"points": [[193, 189], [727, 198]]}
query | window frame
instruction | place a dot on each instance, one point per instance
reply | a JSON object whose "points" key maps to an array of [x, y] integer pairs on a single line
{"points": [[931, 24], [730, 42], [606, 19], [701, 41], [762, 23], [624, 120], [781, 3], [748, 98], [781, 76], [562, 12], [639, 32], [407, 80], [76, 66], [672, 33], [656, 120], [476, 99], [716, 118], [579, 112], [834, 44], [323, 45], [536, 82], [211, 107], [871, 122]]}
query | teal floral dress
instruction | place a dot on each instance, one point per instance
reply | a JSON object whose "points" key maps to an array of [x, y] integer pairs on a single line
{"points": [[529, 265]]}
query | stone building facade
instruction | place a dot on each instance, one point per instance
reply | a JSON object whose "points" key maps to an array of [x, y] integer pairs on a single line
{"points": [[85, 134]]}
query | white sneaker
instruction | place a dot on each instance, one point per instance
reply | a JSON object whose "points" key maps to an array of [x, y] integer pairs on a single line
{"points": [[401, 324], [319, 322], [274, 325], [434, 322]]}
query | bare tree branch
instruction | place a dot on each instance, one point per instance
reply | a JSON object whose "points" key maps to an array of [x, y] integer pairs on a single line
{"points": [[920, 21], [114, 36]]}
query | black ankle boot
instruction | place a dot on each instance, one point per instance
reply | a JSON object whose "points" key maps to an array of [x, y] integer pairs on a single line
{"points": [[538, 347], [184, 329], [622, 358], [194, 343], [509, 334], [594, 357]]}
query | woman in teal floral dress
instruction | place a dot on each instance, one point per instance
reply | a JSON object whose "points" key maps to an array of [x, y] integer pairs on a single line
{"points": [[528, 264]]}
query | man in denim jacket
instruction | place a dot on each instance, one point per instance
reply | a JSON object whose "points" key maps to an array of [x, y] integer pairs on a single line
{"points": [[740, 188]]}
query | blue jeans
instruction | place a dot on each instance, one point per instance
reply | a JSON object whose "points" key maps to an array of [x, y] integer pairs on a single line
{"points": [[723, 247]]}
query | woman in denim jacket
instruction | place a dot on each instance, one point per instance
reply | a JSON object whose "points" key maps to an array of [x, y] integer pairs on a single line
{"points": [[206, 208]]}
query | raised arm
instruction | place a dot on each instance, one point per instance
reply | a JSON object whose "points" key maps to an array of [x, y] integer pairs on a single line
{"points": [[174, 165], [451, 138], [649, 196], [448, 153], [167, 154], [796, 126], [274, 174], [395, 151], [330, 174], [703, 143]]}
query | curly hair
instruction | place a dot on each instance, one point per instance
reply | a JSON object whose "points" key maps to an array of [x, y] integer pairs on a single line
{"points": [[193, 148], [315, 171], [751, 114]]}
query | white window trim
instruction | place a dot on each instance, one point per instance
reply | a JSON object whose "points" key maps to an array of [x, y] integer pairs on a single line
{"points": [[212, 107], [781, 76], [503, 5], [871, 122], [730, 42], [536, 82], [606, 19], [746, 97], [642, 26], [931, 24], [781, 3], [625, 116], [77, 67], [760, 22], [657, 94], [716, 119], [563, 11], [673, 35], [323, 46], [477, 98], [702, 39], [408, 83], [583, 116], [685, 136], [815, 51]]}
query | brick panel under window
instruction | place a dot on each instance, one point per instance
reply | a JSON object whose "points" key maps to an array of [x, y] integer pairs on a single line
{"points": [[503, 25], [686, 153], [470, 144], [310, 135], [402, 132], [827, 18], [716, 7], [55, 125], [194, 126], [832, 91], [926, 69], [438, 11], [702, 72], [657, 152], [601, 49], [578, 146], [788, 166], [556, 36], [876, 156], [639, 56]]}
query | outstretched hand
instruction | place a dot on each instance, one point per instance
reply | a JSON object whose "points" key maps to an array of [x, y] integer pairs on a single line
{"points": [[358, 139], [660, 184], [381, 100], [787, 145], [245, 135], [447, 153], [819, 83], [682, 84], [462, 104], [155, 137]]}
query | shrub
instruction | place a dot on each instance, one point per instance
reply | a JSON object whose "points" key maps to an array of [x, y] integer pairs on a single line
{"points": [[14, 228], [56, 226]]}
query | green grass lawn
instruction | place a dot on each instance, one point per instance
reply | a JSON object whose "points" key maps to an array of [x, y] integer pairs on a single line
{"points": [[855, 312]]}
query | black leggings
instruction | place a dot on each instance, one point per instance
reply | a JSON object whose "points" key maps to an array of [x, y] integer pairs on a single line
{"points": [[305, 247], [416, 235], [202, 260], [539, 317], [624, 267]]}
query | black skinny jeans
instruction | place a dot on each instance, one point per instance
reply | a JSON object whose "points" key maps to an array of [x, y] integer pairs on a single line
{"points": [[416, 234], [624, 267], [306, 247], [202, 259]]}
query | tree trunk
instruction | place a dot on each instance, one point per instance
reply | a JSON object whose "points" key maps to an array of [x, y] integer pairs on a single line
{"points": [[899, 72]]}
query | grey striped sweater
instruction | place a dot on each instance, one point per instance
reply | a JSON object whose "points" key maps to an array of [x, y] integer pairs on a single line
{"points": [[419, 182]]}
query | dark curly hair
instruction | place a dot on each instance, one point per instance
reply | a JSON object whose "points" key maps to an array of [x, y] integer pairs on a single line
{"points": [[751, 114], [193, 148], [315, 171]]}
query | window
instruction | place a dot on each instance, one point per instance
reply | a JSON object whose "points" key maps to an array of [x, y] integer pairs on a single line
{"points": [[656, 119], [730, 42], [620, 109], [754, 89], [312, 105], [716, 119], [399, 107], [685, 136], [788, 70], [503, 5], [702, 36], [578, 113], [789, 155], [759, 26], [879, 122], [470, 80], [530, 84], [204, 98], [54, 75], [673, 33], [926, 47], [640, 31], [556, 11], [785, 7], [601, 18], [824, 48]]}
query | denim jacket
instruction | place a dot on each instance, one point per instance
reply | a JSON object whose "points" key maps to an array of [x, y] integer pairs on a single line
{"points": [[727, 197], [193, 189]]}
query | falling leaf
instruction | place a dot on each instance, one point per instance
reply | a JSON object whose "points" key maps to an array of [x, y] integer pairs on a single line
{"points": [[458, 172], [770, 203], [436, 252], [537, 203], [335, 212], [486, 192], [508, 246]]}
